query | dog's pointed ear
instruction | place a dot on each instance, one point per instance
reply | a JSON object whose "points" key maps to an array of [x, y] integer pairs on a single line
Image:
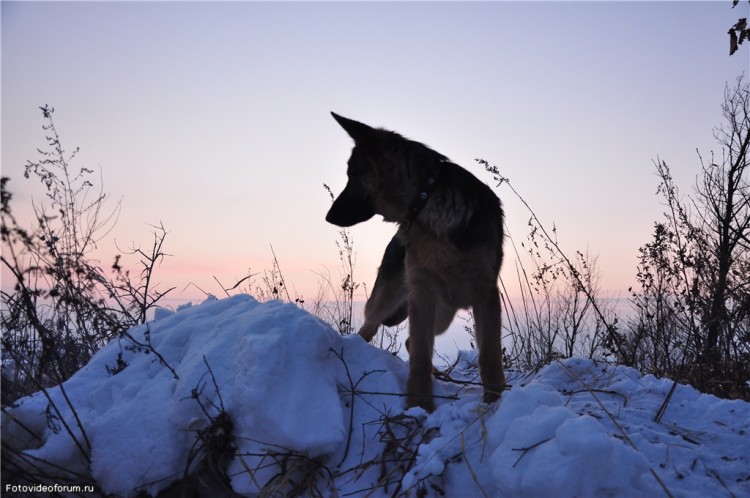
{"points": [[358, 131]]}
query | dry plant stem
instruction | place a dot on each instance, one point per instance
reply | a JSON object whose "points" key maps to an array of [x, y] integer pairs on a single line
{"points": [[147, 345], [351, 392], [283, 282], [663, 407], [471, 469], [529, 448], [64, 306], [239, 282], [611, 330], [603, 391], [79, 424], [85, 452], [41, 465]]}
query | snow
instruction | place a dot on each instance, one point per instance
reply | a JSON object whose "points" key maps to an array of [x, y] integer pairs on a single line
{"points": [[313, 412]]}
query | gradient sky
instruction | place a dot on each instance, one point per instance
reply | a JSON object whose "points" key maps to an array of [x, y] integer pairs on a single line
{"points": [[213, 118]]}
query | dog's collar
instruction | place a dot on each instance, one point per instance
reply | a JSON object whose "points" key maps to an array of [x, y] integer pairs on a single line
{"points": [[425, 192]]}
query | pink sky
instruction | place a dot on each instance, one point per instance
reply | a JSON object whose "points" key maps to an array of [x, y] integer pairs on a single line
{"points": [[214, 118]]}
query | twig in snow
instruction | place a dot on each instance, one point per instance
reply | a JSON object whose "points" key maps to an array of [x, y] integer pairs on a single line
{"points": [[351, 391], [526, 450], [215, 442], [663, 407], [149, 348], [625, 437], [604, 391], [471, 470]]}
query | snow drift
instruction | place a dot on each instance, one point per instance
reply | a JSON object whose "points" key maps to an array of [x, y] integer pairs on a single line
{"points": [[307, 411]]}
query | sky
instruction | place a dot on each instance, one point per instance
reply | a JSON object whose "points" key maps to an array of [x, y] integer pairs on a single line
{"points": [[213, 118]]}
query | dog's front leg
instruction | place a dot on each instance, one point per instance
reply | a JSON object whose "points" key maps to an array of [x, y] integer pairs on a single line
{"points": [[488, 321], [422, 308], [387, 304]]}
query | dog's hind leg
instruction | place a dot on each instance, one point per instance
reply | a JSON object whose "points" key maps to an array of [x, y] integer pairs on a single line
{"points": [[488, 321], [387, 304]]}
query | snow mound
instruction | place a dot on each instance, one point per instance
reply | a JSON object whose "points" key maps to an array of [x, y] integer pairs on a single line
{"points": [[305, 411]]}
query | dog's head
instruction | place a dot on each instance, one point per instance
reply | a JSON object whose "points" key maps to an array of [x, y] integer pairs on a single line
{"points": [[356, 202], [382, 176]]}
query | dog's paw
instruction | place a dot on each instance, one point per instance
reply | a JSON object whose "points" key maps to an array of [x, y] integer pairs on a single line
{"points": [[368, 331], [424, 402], [492, 394]]}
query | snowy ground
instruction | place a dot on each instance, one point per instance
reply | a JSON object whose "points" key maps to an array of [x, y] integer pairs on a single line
{"points": [[313, 411]]}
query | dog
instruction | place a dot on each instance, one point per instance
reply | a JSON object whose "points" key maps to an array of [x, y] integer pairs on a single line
{"points": [[446, 254]]}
